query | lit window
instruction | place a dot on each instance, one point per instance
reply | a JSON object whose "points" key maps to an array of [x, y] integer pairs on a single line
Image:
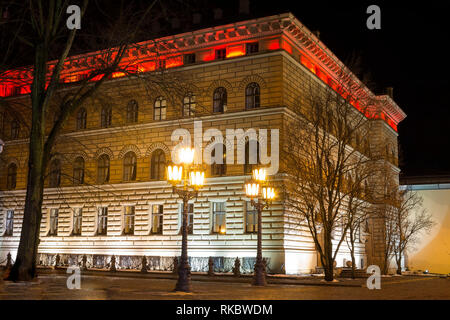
{"points": [[129, 167], [132, 111], [252, 96], [160, 109], [77, 220], [53, 222], [102, 222], [12, 176], [218, 217], [219, 99], [188, 105], [157, 218], [219, 169], [158, 165], [103, 169], [106, 117], [9, 225], [78, 171], [251, 218], [81, 119], [128, 220], [55, 174], [221, 54]]}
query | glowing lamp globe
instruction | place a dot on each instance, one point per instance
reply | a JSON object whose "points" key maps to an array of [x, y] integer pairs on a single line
{"points": [[197, 178], [268, 193], [174, 173], [186, 155], [259, 174], [251, 189]]}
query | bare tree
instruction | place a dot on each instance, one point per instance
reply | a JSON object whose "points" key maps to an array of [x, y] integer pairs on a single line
{"points": [[327, 160], [410, 220], [45, 36]]}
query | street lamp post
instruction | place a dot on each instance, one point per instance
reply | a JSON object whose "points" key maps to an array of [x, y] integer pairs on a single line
{"points": [[261, 196], [186, 180]]}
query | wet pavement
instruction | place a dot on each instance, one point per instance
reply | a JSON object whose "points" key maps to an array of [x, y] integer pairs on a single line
{"points": [[106, 286]]}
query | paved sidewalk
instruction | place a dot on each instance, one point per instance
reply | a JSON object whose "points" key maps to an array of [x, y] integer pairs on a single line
{"points": [[51, 285]]}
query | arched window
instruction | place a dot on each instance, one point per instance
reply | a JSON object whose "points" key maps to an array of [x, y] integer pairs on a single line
{"points": [[106, 117], [252, 96], [132, 111], [220, 99], [55, 173], [251, 156], [12, 176], [103, 169], [81, 119], [78, 171], [219, 169], [15, 129], [129, 167], [158, 165], [188, 105], [160, 109]]}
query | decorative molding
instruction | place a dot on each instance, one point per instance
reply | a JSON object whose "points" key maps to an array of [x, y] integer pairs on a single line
{"points": [[128, 148], [158, 145], [252, 78], [219, 83], [104, 150]]}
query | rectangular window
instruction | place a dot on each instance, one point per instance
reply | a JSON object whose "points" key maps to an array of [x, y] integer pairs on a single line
{"points": [[77, 218], [189, 58], [102, 221], [128, 220], [251, 218], [221, 54], [218, 218], [251, 47], [9, 225], [157, 218], [53, 222]]}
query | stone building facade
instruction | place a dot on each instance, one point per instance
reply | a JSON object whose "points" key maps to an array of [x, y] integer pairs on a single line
{"points": [[243, 75]]}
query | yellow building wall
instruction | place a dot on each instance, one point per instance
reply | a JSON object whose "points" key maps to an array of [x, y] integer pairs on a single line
{"points": [[432, 252]]}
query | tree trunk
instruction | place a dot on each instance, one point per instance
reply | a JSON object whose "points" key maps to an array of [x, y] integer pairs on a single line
{"points": [[24, 268], [399, 264], [352, 254], [328, 253]]}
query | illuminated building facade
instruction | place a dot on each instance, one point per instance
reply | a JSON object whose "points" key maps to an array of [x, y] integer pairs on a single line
{"points": [[106, 193]]}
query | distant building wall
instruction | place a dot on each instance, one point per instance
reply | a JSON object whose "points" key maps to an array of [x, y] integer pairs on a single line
{"points": [[432, 252]]}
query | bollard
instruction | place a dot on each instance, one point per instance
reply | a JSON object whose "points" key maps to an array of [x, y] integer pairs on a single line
{"points": [[8, 261], [112, 263], [57, 259], [237, 267], [175, 265], [83, 262], [144, 265], [210, 266]]}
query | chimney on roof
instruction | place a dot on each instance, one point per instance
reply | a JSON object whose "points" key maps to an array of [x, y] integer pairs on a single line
{"points": [[390, 92], [244, 6], [317, 34]]}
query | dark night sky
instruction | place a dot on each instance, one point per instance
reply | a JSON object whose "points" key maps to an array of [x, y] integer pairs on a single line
{"points": [[408, 53]]}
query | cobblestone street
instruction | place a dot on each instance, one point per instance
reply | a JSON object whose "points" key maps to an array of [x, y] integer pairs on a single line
{"points": [[105, 287]]}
